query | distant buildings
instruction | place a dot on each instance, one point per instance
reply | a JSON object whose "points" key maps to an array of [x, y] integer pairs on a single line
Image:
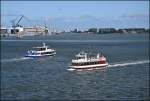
{"points": [[24, 31], [44, 31], [3, 31], [148, 30], [36, 30], [106, 30], [102, 30], [132, 30], [92, 30], [75, 31], [113, 30]]}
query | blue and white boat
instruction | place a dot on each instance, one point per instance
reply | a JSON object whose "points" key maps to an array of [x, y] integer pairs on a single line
{"points": [[41, 51]]}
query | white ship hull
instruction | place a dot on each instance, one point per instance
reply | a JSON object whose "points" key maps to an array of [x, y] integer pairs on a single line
{"points": [[89, 66], [40, 55]]}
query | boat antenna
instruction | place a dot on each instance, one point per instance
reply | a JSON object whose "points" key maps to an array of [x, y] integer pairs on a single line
{"points": [[43, 44], [98, 55]]}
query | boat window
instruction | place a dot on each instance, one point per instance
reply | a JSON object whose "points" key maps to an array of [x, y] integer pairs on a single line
{"points": [[85, 63], [75, 64], [95, 62], [47, 52], [79, 58], [40, 49]]}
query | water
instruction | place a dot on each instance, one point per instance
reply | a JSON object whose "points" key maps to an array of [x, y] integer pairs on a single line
{"points": [[126, 77]]}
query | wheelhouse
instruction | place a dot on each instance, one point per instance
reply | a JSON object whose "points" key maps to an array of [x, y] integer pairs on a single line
{"points": [[40, 48]]}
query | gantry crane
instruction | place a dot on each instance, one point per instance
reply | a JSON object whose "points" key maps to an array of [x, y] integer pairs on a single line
{"points": [[15, 25]]}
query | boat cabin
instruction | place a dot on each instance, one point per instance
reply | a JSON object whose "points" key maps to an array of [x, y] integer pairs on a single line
{"points": [[87, 63], [40, 48]]}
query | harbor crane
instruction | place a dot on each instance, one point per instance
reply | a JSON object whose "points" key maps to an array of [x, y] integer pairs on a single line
{"points": [[17, 24], [45, 28], [14, 25], [17, 28]]}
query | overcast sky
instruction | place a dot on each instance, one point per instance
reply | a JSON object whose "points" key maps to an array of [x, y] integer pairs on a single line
{"points": [[65, 15]]}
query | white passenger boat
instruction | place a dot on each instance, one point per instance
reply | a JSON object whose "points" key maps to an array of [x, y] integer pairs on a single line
{"points": [[84, 61], [41, 51]]}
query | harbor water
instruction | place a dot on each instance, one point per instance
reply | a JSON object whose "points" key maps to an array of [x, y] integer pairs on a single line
{"points": [[50, 78]]}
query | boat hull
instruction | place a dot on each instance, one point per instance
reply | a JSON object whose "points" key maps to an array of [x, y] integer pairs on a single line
{"points": [[39, 55], [90, 66]]}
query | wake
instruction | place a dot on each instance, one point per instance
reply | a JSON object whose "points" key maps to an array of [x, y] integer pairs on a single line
{"points": [[16, 59], [128, 63]]}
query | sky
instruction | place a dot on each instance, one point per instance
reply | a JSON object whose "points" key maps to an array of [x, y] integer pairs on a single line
{"points": [[67, 15]]}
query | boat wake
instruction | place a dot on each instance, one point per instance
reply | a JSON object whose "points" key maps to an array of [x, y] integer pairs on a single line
{"points": [[128, 63], [71, 69], [121, 64], [15, 59]]}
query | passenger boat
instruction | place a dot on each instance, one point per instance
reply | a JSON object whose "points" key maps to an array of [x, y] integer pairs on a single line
{"points": [[41, 51], [84, 61]]}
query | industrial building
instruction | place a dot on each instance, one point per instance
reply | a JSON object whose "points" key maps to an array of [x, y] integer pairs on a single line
{"points": [[101, 30], [3, 31], [132, 30], [36, 30], [106, 30]]}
